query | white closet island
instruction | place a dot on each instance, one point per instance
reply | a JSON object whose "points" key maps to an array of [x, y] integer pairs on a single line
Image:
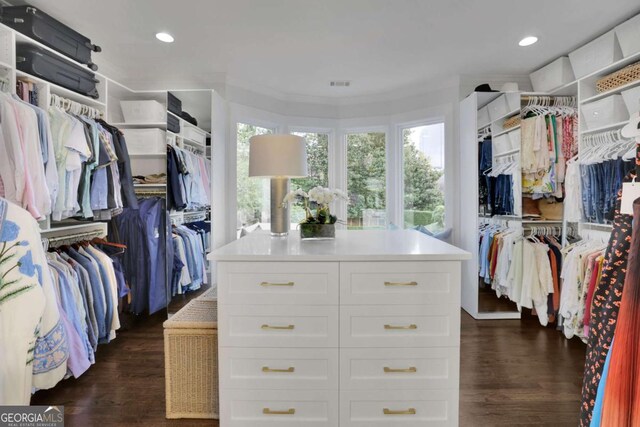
{"points": [[363, 330]]}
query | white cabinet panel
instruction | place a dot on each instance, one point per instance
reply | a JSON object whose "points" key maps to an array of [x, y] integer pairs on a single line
{"points": [[399, 368], [278, 408], [279, 368], [388, 283], [277, 326], [399, 326], [401, 408], [281, 283]]}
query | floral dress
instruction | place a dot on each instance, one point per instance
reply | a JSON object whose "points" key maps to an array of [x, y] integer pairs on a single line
{"points": [[33, 345]]}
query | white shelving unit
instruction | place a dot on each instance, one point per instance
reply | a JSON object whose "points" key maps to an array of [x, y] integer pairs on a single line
{"points": [[584, 89]]}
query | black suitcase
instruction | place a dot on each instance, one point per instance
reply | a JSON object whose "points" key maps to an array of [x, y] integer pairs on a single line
{"points": [[174, 104], [41, 27], [41, 63], [173, 124]]}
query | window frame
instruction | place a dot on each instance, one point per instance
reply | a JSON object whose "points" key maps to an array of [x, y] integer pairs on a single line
{"points": [[342, 207], [399, 156]]}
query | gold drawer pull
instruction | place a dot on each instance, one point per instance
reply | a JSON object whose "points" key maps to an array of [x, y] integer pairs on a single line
{"points": [[401, 283], [410, 411], [268, 411], [277, 284], [288, 370], [412, 326], [389, 370], [279, 328]]}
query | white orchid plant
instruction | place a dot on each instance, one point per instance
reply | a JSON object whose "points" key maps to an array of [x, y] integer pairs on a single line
{"points": [[320, 197]]}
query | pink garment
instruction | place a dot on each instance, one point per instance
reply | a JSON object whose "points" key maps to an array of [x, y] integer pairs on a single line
{"points": [[28, 197]]}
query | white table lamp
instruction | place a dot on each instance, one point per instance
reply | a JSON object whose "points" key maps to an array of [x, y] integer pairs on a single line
{"points": [[278, 157]]}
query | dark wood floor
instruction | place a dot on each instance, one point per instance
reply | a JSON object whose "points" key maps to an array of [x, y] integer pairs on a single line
{"points": [[513, 373]]}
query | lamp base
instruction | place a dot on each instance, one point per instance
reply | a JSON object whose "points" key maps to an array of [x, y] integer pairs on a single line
{"points": [[280, 222]]}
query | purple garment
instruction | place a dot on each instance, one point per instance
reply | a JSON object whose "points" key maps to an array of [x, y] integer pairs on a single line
{"points": [[78, 361]]}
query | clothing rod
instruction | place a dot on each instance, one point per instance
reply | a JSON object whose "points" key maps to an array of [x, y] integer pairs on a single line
{"points": [[551, 97], [77, 237]]}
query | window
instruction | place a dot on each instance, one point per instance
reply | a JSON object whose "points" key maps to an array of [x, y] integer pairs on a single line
{"points": [[318, 167], [423, 159], [366, 180], [252, 193]]}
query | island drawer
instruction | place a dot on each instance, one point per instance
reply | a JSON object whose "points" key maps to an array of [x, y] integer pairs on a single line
{"points": [[279, 368], [278, 326], [280, 283], [399, 408], [279, 408], [389, 283], [400, 326], [399, 368]]}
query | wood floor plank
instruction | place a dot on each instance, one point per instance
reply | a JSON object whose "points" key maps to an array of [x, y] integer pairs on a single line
{"points": [[513, 373]]}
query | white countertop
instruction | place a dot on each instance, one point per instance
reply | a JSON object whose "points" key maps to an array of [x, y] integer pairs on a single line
{"points": [[365, 245]]}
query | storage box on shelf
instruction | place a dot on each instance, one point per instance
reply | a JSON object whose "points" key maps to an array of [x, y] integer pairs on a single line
{"points": [[595, 55], [498, 108], [483, 117], [554, 75], [143, 111], [604, 112], [628, 34], [145, 141], [631, 99], [194, 134], [501, 144]]}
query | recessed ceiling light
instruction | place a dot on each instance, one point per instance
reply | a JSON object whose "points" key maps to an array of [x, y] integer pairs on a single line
{"points": [[528, 41], [165, 37]]}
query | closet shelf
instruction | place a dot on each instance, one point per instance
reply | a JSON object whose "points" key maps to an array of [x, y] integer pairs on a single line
{"points": [[596, 225], [158, 125], [605, 128], [506, 131], [186, 123], [507, 153], [24, 39], [610, 92], [149, 155], [568, 89], [614, 67], [509, 114], [150, 185], [63, 92], [187, 140], [75, 227]]}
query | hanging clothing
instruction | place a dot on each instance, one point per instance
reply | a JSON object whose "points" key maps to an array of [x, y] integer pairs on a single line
{"points": [[33, 343], [189, 180], [605, 306], [622, 391], [598, 185], [142, 231], [190, 242]]}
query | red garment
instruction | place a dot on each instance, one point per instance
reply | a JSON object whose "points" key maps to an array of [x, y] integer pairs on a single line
{"points": [[595, 278]]}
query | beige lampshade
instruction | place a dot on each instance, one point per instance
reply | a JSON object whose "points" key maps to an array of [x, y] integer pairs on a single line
{"points": [[277, 156]]}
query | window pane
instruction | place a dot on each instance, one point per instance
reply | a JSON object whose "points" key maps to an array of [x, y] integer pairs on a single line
{"points": [[366, 180], [318, 167], [253, 193], [424, 176]]}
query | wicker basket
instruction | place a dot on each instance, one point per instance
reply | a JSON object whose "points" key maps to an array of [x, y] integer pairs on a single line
{"points": [[511, 122], [191, 361], [208, 295], [621, 77]]}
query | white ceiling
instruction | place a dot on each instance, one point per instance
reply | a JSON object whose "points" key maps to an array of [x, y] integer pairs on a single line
{"points": [[295, 47]]}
